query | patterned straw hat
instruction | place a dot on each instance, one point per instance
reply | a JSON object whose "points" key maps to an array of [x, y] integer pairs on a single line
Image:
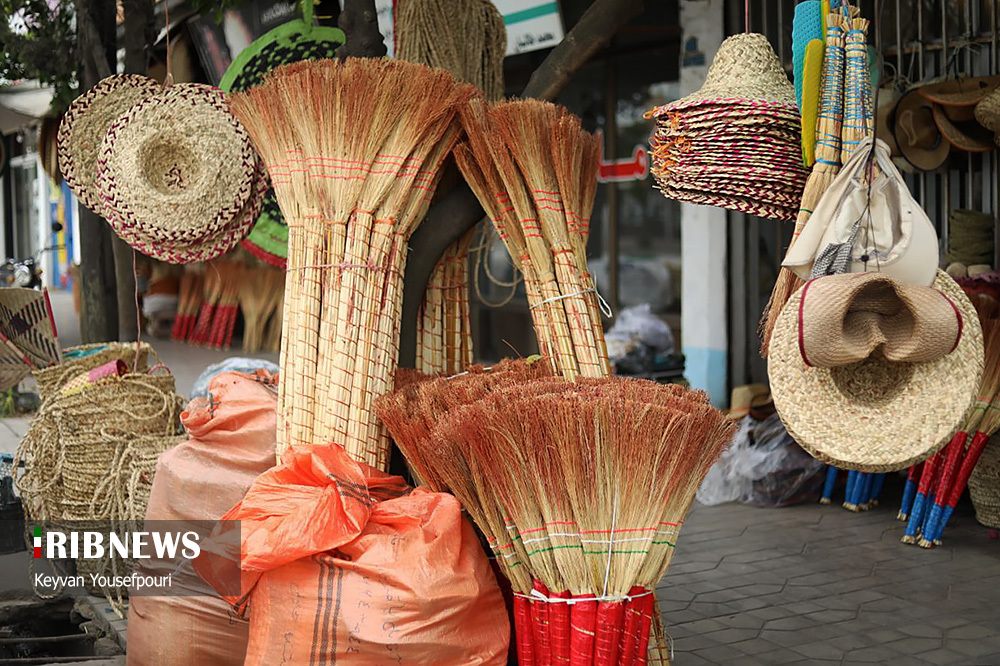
{"points": [[290, 42], [177, 172], [874, 415], [83, 128], [735, 143]]}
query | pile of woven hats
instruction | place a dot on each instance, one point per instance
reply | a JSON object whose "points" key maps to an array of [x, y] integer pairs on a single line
{"points": [[736, 142], [172, 171]]}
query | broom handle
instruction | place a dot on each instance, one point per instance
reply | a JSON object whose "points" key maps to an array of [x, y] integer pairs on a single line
{"points": [[926, 479], [976, 447], [909, 491], [522, 632], [852, 481], [583, 625], [953, 456], [877, 483], [829, 484]]}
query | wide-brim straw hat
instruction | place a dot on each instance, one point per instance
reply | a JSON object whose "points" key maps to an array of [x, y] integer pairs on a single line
{"points": [[290, 42], [888, 98], [969, 137], [87, 121], [960, 92], [177, 168], [875, 416], [917, 135]]}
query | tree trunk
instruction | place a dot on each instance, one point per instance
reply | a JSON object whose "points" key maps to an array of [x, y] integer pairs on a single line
{"points": [[138, 35], [359, 21], [99, 303]]}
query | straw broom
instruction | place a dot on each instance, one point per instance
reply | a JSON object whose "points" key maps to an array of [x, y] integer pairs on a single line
{"points": [[475, 162], [591, 486], [337, 160], [270, 113], [258, 301], [516, 138], [858, 121], [530, 129], [408, 201], [211, 293], [940, 468], [824, 171]]}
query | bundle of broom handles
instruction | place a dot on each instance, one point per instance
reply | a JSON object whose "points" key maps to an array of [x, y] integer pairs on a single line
{"points": [[862, 492], [934, 487], [593, 631]]}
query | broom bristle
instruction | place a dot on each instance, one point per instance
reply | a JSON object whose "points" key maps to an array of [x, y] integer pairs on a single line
{"points": [[989, 392]]}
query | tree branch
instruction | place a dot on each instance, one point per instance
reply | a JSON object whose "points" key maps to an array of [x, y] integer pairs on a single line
{"points": [[359, 21], [593, 31]]}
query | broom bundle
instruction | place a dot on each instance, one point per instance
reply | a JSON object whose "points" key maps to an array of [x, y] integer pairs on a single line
{"points": [[580, 489], [211, 293], [188, 303], [354, 150], [828, 162], [259, 294], [444, 334], [534, 170]]}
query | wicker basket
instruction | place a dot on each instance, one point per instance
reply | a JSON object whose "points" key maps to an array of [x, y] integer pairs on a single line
{"points": [[87, 357], [984, 485]]}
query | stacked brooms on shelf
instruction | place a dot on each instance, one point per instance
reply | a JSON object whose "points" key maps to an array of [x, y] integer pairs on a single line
{"points": [[579, 487]]}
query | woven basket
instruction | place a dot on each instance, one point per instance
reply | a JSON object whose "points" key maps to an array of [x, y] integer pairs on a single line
{"points": [[984, 485], [87, 357]]}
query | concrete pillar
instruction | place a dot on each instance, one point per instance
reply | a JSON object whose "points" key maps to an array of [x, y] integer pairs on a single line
{"points": [[704, 289]]}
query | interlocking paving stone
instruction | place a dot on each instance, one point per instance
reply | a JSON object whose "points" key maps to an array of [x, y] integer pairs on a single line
{"points": [[813, 585], [945, 656], [916, 645]]}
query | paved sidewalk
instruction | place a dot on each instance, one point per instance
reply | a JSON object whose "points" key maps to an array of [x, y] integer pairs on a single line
{"points": [[819, 585]]}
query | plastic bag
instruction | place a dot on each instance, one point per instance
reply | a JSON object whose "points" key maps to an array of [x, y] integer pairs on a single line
{"points": [[232, 439], [764, 467], [248, 366], [640, 324], [340, 566]]}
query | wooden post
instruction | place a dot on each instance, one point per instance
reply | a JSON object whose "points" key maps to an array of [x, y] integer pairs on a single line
{"points": [[99, 302], [138, 36]]}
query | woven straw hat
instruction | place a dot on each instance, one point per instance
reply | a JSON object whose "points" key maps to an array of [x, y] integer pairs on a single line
{"points": [[969, 137], [845, 318], [83, 128], [919, 139], [960, 92], [177, 165], [988, 111], [875, 415], [745, 68]]}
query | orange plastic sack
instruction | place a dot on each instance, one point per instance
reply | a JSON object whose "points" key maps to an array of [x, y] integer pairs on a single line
{"points": [[343, 569], [231, 442]]}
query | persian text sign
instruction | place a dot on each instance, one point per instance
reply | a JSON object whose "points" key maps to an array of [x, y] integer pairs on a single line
{"points": [[531, 24]]}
